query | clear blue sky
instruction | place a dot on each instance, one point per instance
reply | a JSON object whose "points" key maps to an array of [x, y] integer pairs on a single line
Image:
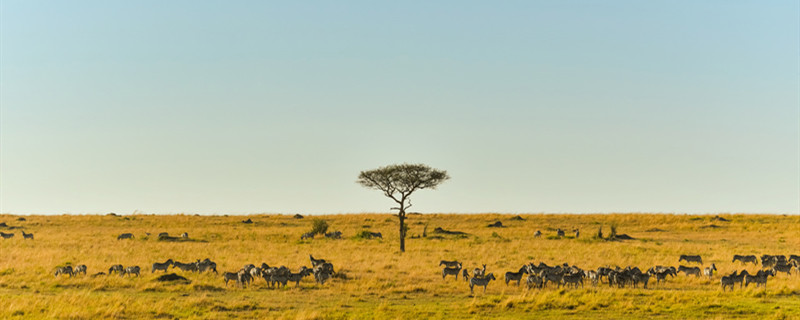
{"points": [[531, 106]]}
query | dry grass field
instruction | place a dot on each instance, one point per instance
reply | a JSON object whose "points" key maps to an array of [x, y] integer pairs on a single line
{"points": [[375, 280]]}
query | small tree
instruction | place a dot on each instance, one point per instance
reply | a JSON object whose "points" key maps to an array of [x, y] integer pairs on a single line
{"points": [[398, 182], [319, 226]]}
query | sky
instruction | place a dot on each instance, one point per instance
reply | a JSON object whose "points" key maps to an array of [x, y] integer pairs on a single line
{"points": [[241, 107]]}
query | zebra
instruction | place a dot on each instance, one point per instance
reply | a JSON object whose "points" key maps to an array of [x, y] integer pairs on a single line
{"points": [[479, 273], [375, 235], [689, 258], [185, 235], [131, 271], [745, 259], [323, 272], [516, 276], [307, 235], [27, 235], [64, 270], [451, 271], [575, 278], [244, 277], [709, 271], [560, 233], [726, 281], [228, 276], [118, 268], [534, 281], [689, 270], [451, 264], [296, 277], [316, 262], [206, 264], [784, 267], [740, 277], [644, 278], [161, 266], [577, 233], [334, 235], [192, 266], [480, 282], [760, 279], [163, 235], [6, 235], [465, 275], [125, 236], [80, 269], [537, 234], [593, 276]]}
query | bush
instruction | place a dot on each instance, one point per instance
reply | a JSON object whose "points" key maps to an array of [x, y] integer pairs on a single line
{"points": [[364, 234], [319, 226]]}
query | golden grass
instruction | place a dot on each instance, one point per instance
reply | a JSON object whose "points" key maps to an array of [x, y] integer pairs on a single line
{"points": [[383, 283]]}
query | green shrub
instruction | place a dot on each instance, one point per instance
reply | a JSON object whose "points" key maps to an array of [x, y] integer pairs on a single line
{"points": [[319, 226]]}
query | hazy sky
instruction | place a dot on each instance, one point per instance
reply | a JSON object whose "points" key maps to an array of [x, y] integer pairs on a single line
{"points": [[531, 106]]}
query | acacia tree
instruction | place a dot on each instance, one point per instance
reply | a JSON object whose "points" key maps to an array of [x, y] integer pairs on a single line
{"points": [[398, 182]]}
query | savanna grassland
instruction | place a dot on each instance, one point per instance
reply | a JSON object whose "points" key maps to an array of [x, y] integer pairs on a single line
{"points": [[375, 280]]}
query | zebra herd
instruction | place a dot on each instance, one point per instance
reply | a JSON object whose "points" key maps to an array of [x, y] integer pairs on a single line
{"points": [[540, 275], [321, 269], [11, 235]]}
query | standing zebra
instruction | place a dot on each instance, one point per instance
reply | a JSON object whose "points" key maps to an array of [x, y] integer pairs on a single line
{"points": [[64, 270], [27, 235], [689, 258], [118, 268], [451, 271], [6, 235], [516, 276], [709, 271], [479, 273], [161, 266], [80, 269], [131, 271], [537, 234], [480, 282], [125, 236]]}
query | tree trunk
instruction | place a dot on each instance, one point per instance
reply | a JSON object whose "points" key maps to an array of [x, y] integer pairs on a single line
{"points": [[402, 216]]}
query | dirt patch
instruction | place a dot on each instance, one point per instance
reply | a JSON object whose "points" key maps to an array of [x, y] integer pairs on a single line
{"points": [[517, 218]]}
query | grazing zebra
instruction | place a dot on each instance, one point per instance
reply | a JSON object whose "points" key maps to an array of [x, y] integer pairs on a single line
{"points": [[161, 266], [125, 236], [64, 270], [118, 268], [689, 258], [709, 271], [6, 235], [689, 270], [551, 277], [228, 276], [726, 281], [132, 270], [516, 276], [316, 262], [479, 273], [537, 234], [192, 266], [80, 269], [451, 271], [296, 277], [480, 282], [784, 267], [375, 235], [451, 264], [745, 259], [307, 235], [575, 278], [27, 235]]}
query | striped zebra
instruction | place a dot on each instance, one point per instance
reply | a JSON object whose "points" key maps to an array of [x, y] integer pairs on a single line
{"points": [[132, 270], [296, 277], [480, 282], [206, 264], [760, 279], [185, 235], [192, 266], [516, 276], [745, 259], [6, 235], [64, 270], [479, 273], [726, 281], [534, 281], [27, 235], [80, 269], [784, 267], [118, 268], [689, 270], [454, 271], [465, 275], [689, 258], [161, 266], [709, 271], [125, 236], [234, 276], [451, 264], [537, 234], [307, 235], [316, 262], [574, 278]]}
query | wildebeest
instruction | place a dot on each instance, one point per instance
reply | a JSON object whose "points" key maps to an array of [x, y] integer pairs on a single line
{"points": [[131, 271], [64, 270], [451, 271], [125, 236], [6, 235], [161, 266], [27, 235], [480, 282], [451, 264], [745, 259], [689, 258]]}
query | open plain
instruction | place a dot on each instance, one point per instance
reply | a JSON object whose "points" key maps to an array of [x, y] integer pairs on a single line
{"points": [[374, 280]]}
